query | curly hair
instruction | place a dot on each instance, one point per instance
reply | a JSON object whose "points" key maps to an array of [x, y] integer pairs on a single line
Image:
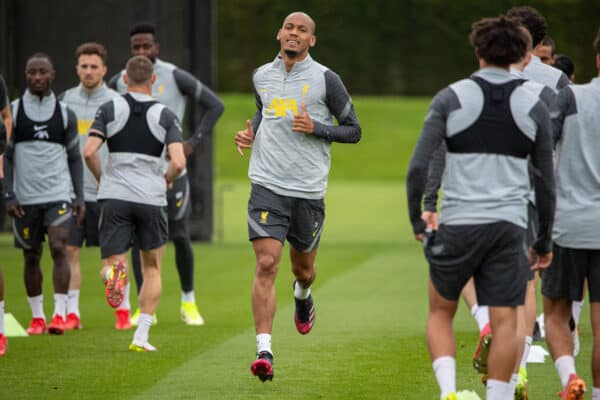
{"points": [[532, 20], [499, 41]]}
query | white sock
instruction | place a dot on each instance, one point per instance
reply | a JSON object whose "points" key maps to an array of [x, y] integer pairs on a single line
{"points": [[300, 293], [107, 274], [37, 306], [596, 393], [513, 382], [125, 304], [73, 302], [140, 336], [263, 342], [565, 366], [576, 307], [528, 342], [481, 315], [188, 297], [498, 390], [2, 317], [445, 372], [60, 304]]}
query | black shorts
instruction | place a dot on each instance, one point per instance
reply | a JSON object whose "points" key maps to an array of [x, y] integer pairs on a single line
{"points": [[178, 199], [122, 221], [300, 221], [493, 254], [30, 229], [565, 277], [88, 231]]}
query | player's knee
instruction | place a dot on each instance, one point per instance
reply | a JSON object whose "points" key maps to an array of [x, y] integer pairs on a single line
{"points": [[32, 258], [266, 264], [58, 248]]}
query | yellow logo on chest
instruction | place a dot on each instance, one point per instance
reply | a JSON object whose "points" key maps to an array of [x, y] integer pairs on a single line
{"points": [[279, 107], [84, 125]]}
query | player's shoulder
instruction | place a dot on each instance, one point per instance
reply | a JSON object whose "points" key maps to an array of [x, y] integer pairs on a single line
{"points": [[167, 66]]}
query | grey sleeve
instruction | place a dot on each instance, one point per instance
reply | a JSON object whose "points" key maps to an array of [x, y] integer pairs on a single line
{"points": [[61, 96], [340, 104], [104, 115], [8, 185], [563, 81], [565, 105], [543, 178], [212, 106], [434, 178], [258, 114], [112, 82], [432, 135], [168, 120], [74, 158]]}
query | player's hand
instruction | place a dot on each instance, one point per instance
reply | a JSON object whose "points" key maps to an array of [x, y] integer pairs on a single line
{"points": [[419, 237], [244, 139], [79, 212], [15, 210], [431, 219], [303, 123], [169, 183], [188, 149], [539, 261]]}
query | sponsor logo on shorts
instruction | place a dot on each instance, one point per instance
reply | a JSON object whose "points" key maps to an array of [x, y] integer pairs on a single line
{"points": [[26, 234], [316, 229], [263, 217], [63, 210]]}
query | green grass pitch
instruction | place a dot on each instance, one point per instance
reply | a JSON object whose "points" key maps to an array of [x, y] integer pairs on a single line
{"points": [[371, 297]]}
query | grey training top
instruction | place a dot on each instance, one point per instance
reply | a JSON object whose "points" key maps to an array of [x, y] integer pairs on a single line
{"points": [[486, 185], [578, 167], [291, 163], [552, 77], [172, 88], [84, 106], [134, 175], [41, 171]]}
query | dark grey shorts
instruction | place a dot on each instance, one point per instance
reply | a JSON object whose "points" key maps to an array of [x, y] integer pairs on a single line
{"points": [[493, 254], [300, 221], [29, 230], [565, 277], [122, 221], [179, 202], [88, 231]]}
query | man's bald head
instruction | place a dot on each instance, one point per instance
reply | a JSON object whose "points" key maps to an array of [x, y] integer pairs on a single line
{"points": [[309, 21]]}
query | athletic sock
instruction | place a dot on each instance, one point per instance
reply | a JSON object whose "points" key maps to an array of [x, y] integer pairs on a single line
{"points": [[37, 306], [73, 302], [140, 336], [528, 342], [596, 393], [498, 390], [301, 293], [188, 297], [60, 304], [565, 366], [125, 305], [263, 342], [445, 374], [481, 315], [184, 260], [2, 317], [576, 307], [513, 382]]}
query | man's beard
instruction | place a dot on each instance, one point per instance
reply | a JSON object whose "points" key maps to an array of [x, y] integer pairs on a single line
{"points": [[291, 53]]}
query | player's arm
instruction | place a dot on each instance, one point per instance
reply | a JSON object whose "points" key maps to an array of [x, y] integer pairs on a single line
{"points": [[6, 121], [174, 143], [244, 139], [543, 181], [211, 105], [565, 105], [13, 208], [75, 164], [112, 82], [429, 142], [340, 104], [434, 178], [96, 137]]}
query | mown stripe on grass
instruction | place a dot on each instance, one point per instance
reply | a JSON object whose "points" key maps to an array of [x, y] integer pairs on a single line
{"points": [[353, 351]]}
